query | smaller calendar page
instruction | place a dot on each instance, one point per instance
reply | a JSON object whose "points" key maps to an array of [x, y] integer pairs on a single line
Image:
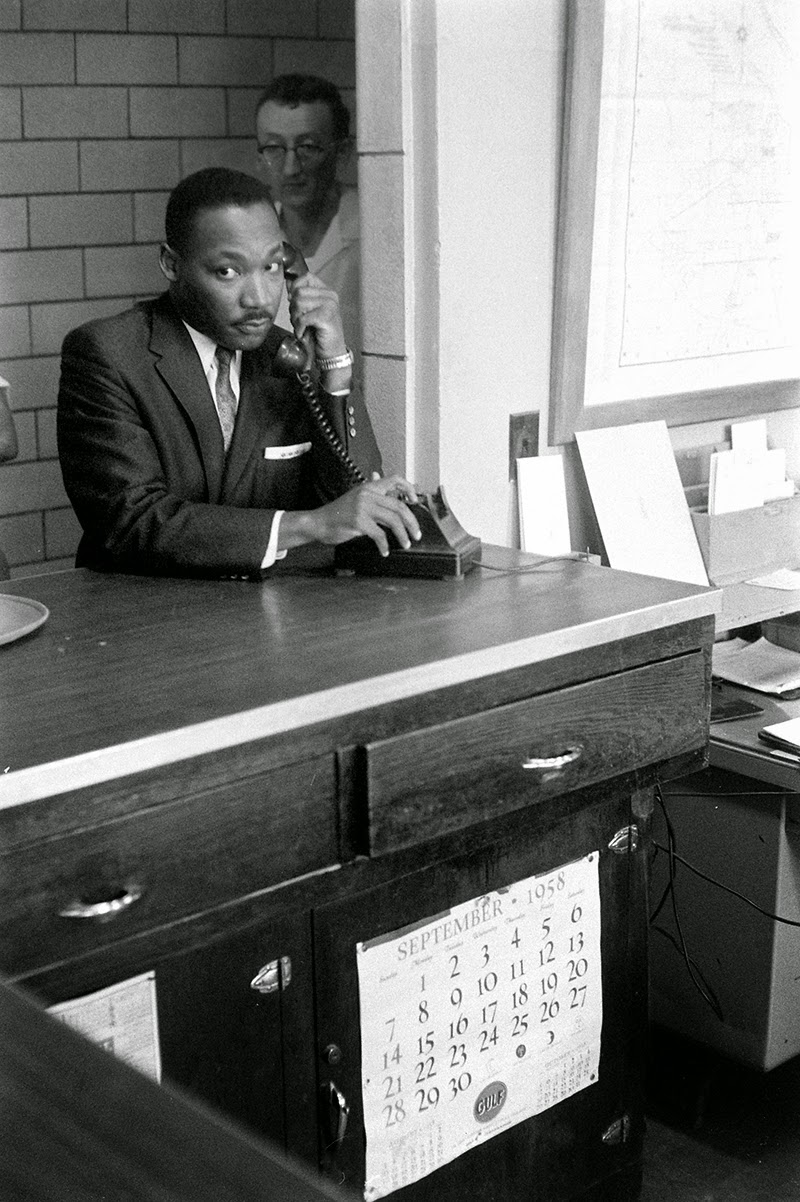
{"points": [[475, 1019], [122, 1019]]}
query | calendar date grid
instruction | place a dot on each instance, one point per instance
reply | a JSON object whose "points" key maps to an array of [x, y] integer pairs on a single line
{"points": [[512, 986]]}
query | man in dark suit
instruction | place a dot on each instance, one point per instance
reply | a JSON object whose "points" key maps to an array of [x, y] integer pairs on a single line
{"points": [[183, 448]]}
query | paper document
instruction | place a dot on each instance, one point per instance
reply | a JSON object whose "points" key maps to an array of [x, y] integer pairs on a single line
{"points": [[783, 578], [760, 665], [734, 484], [748, 475], [638, 498], [776, 486], [785, 735], [543, 521], [749, 439], [122, 1019]]}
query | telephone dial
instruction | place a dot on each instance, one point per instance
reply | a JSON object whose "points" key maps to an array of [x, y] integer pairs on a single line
{"points": [[445, 548]]}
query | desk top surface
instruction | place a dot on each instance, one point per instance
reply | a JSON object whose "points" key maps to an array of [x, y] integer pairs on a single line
{"points": [[130, 673], [736, 747], [746, 604]]}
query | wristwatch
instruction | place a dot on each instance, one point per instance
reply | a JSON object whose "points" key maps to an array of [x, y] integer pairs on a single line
{"points": [[335, 361]]}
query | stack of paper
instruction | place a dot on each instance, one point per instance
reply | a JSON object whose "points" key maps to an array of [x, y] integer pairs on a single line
{"points": [[748, 475], [785, 735], [760, 665]]}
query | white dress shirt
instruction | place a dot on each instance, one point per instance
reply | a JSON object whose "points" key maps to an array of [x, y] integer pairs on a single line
{"points": [[207, 350]]}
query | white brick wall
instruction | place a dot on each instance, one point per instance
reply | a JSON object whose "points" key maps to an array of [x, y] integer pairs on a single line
{"points": [[104, 106]]}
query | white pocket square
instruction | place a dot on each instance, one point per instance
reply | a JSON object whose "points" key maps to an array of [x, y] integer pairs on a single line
{"points": [[288, 452]]}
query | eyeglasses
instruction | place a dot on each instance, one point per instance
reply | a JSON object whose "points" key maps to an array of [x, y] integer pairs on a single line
{"points": [[308, 154]]}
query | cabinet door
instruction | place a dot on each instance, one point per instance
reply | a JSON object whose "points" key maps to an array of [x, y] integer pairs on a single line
{"points": [[573, 1147], [244, 1052], [232, 1044]]}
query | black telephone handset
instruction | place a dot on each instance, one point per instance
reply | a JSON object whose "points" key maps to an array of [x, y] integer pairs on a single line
{"points": [[292, 357], [445, 548]]}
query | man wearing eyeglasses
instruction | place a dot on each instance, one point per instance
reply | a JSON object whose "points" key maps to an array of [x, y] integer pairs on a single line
{"points": [[303, 132]]}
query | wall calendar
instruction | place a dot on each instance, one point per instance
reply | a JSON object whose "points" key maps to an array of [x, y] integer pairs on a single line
{"points": [[122, 1019], [477, 1018]]}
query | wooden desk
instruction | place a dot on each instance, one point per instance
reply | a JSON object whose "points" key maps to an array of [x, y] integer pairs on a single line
{"points": [[736, 747], [252, 775], [747, 604], [739, 823]]}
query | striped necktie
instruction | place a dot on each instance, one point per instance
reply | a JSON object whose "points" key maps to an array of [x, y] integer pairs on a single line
{"points": [[226, 398]]}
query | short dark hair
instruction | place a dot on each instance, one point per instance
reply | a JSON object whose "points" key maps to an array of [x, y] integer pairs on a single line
{"points": [[211, 188], [292, 90]]}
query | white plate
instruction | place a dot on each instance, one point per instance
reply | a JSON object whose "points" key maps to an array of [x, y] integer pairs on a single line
{"points": [[19, 616]]}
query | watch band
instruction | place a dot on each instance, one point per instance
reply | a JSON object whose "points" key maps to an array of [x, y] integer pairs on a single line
{"points": [[334, 361]]}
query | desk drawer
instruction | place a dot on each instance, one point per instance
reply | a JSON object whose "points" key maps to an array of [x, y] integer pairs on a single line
{"points": [[431, 782], [180, 859]]}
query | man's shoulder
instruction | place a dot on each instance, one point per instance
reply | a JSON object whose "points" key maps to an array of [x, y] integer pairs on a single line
{"points": [[127, 327], [349, 223]]}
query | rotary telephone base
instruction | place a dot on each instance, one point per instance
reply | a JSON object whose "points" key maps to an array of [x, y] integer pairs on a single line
{"points": [[444, 550]]}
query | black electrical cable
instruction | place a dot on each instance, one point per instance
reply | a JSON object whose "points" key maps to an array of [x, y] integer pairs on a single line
{"points": [[695, 974], [673, 858], [521, 569], [712, 998], [661, 902], [789, 922]]}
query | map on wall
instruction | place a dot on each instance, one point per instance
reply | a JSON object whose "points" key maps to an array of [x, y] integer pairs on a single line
{"points": [[694, 274]]}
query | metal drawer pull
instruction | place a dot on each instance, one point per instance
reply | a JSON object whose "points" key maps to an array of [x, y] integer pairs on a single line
{"points": [[337, 1113], [625, 840], [102, 909], [554, 763], [273, 976]]}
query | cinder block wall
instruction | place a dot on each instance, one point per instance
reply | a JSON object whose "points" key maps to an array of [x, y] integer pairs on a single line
{"points": [[104, 106]]}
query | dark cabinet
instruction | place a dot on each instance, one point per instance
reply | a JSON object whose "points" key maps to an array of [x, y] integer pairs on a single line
{"points": [[283, 1058], [234, 1011], [530, 1160], [79, 1124]]}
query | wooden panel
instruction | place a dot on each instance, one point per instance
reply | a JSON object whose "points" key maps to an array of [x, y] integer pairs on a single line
{"points": [[429, 782], [77, 1123], [185, 857], [244, 1052]]}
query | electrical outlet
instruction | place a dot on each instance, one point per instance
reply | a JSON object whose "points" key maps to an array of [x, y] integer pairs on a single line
{"points": [[523, 439]]}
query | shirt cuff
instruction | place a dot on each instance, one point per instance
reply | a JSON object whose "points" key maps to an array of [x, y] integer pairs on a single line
{"points": [[272, 552]]}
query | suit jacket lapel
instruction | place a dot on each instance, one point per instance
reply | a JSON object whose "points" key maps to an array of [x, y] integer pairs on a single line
{"points": [[179, 366]]}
